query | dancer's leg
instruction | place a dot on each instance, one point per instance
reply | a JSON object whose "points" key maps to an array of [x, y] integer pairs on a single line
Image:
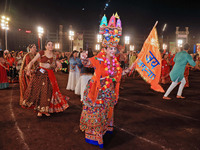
{"points": [[171, 87], [181, 86]]}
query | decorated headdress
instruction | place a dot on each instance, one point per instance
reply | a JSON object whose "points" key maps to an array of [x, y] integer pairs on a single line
{"points": [[111, 31]]}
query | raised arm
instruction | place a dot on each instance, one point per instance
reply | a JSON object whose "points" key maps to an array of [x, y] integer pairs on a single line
{"points": [[190, 60]]}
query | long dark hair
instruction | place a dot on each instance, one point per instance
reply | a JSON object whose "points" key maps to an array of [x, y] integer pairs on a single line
{"points": [[75, 51], [90, 53], [48, 42]]}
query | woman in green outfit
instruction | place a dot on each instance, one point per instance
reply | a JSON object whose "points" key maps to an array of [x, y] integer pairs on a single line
{"points": [[177, 74]]}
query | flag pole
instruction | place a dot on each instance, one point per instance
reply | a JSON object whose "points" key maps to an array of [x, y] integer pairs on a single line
{"points": [[155, 24], [145, 40]]}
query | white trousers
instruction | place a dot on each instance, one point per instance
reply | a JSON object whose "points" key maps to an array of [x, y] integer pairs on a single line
{"points": [[173, 85]]}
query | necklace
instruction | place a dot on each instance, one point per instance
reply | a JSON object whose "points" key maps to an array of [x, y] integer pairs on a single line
{"points": [[110, 69]]}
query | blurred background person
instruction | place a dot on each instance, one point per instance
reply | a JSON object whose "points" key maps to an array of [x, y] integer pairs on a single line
{"points": [[74, 72], [3, 72], [24, 80], [85, 76]]}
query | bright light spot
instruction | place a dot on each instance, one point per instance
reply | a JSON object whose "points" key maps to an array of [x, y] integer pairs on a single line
{"points": [[164, 46], [97, 47], [106, 4], [127, 39], [180, 43], [99, 38], [57, 46], [28, 31], [132, 47]]}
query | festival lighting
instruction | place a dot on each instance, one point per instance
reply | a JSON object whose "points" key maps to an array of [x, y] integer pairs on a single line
{"points": [[164, 46], [127, 39], [99, 38], [180, 43], [71, 38], [40, 31], [5, 26], [57, 45], [164, 27], [40, 34], [71, 35], [28, 31], [97, 47], [132, 47]]}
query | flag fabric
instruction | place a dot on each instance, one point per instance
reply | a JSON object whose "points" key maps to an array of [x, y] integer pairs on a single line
{"points": [[148, 63]]}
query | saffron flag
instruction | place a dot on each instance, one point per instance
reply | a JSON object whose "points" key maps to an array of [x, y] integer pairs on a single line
{"points": [[148, 63]]}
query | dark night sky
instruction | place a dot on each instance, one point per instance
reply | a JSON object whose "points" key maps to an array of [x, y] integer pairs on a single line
{"points": [[138, 16]]}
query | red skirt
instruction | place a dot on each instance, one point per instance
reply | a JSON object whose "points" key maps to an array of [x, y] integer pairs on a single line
{"points": [[43, 93], [3, 78]]}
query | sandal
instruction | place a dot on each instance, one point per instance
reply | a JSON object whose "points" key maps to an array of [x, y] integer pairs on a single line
{"points": [[180, 97], [167, 98]]}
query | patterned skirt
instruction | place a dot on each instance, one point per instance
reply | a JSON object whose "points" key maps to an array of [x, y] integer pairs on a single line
{"points": [[97, 119], [39, 95]]}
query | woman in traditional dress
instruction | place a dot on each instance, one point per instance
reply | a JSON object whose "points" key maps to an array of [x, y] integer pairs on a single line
{"points": [[165, 70], [19, 59], [74, 72], [24, 80], [85, 76], [43, 93], [3, 72], [11, 67]]}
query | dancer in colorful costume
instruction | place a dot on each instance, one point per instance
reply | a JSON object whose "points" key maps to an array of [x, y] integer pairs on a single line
{"points": [[24, 80], [43, 93], [102, 91]]}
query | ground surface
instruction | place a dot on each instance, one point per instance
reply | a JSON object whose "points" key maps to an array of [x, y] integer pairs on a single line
{"points": [[143, 121]]}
